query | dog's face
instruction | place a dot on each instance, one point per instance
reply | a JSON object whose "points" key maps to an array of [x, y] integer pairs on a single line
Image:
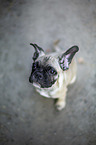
{"points": [[43, 74], [45, 67]]}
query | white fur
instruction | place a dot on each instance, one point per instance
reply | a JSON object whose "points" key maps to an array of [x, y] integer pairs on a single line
{"points": [[43, 93]]}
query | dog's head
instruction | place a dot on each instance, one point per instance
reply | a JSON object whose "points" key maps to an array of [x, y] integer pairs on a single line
{"points": [[45, 67]]}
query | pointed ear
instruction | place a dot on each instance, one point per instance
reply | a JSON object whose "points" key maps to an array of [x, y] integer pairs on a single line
{"points": [[38, 51], [66, 58]]}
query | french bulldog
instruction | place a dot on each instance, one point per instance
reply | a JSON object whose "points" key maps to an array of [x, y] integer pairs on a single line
{"points": [[52, 73]]}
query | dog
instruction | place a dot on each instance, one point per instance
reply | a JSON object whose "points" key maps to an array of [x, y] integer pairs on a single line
{"points": [[52, 73]]}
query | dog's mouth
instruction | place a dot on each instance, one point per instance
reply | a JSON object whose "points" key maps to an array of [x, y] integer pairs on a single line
{"points": [[36, 84]]}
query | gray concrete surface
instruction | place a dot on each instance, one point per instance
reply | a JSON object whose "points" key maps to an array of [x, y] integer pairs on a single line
{"points": [[26, 118]]}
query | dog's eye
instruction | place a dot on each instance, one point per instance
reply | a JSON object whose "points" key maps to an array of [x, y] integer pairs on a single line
{"points": [[52, 71]]}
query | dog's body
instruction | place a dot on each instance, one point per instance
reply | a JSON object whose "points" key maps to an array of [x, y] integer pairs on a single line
{"points": [[56, 67]]}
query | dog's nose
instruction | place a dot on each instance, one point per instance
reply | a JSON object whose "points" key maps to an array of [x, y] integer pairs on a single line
{"points": [[38, 76], [35, 77]]}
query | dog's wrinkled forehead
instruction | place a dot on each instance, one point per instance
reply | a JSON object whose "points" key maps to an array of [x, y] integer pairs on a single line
{"points": [[48, 60]]}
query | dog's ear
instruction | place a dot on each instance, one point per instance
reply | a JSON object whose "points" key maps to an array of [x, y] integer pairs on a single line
{"points": [[38, 51], [66, 58]]}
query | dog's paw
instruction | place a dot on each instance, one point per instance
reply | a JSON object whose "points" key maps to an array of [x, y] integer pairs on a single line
{"points": [[60, 105]]}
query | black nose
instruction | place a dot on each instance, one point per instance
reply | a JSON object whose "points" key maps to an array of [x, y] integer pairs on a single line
{"points": [[30, 79], [38, 76]]}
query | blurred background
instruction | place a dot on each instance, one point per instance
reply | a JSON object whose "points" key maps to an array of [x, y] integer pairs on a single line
{"points": [[26, 118]]}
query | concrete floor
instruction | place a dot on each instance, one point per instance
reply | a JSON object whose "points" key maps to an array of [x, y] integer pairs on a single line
{"points": [[26, 118]]}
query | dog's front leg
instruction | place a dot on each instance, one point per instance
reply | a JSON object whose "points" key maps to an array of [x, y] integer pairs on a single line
{"points": [[61, 102]]}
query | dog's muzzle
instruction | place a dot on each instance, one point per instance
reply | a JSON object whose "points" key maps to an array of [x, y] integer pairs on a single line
{"points": [[35, 77]]}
